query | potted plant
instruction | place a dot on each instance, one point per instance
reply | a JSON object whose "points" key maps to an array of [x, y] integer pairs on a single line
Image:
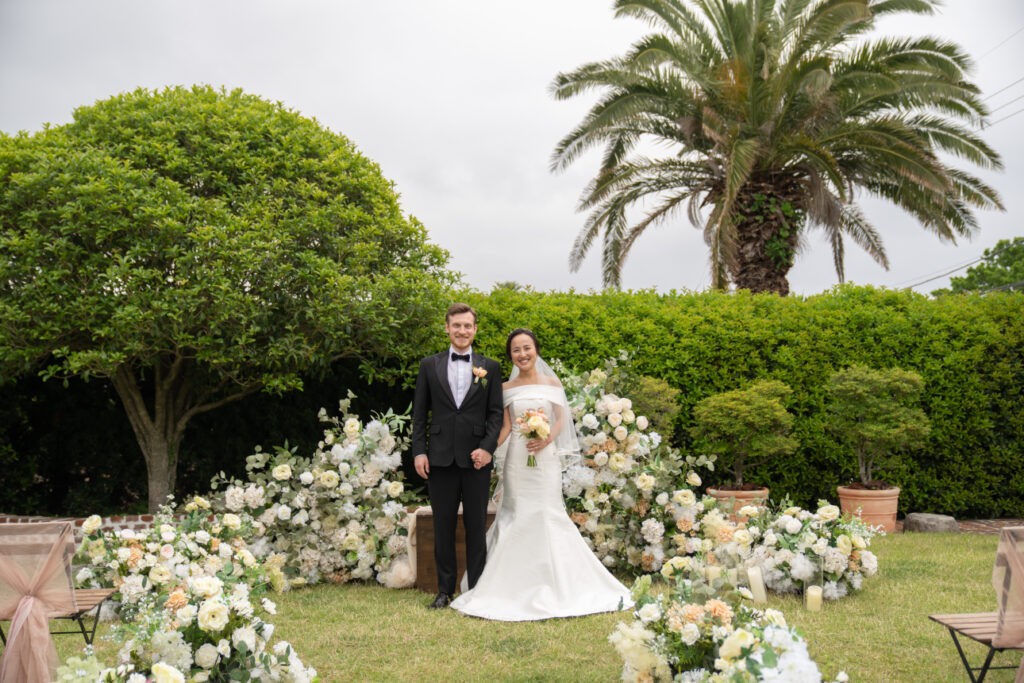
{"points": [[874, 414], [744, 428]]}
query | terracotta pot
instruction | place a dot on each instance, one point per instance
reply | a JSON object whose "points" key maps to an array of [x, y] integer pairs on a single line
{"points": [[732, 500], [875, 507]]}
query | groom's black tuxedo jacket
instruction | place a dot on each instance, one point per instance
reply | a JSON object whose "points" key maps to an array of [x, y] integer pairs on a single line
{"points": [[455, 431]]}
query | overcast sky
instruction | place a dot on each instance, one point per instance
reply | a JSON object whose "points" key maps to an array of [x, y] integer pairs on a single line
{"points": [[450, 98]]}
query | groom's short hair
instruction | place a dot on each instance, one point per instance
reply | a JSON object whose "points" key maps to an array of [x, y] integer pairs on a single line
{"points": [[456, 309]]}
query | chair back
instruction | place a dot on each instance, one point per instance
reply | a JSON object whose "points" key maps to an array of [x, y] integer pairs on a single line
{"points": [[35, 583], [1008, 580]]}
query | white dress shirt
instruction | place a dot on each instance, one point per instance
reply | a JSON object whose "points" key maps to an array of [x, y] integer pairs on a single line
{"points": [[460, 375]]}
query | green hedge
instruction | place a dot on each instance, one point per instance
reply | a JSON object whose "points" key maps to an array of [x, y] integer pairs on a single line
{"points": [[968, 349]]}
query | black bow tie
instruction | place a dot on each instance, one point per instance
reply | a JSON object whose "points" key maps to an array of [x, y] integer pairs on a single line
{"points": [[460, 356]]}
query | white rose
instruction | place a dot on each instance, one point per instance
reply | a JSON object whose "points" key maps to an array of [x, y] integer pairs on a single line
{"points": [[306, 478], [284, 513], [684, 497], [858, 542], [693, 479], [159, 575], [628, 416], [207, 655], [92, 524], [282, 472], [828, 512], [395, 489], [167, 551], [661, 499], [649, 613], [329, 479], [620, 433], [213, 616], [245, 634], [642, 423], [165, 673], [590, 421], [352, 427], [231, 521], [601, 459], [185, 615], [615, 419], [207, 586]]}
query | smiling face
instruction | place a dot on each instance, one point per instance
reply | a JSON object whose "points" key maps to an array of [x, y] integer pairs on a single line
{"points": [[461, 329], [523, 352]]}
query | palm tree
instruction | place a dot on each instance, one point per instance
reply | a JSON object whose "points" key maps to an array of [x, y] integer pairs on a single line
{"points": [[769, 117]]}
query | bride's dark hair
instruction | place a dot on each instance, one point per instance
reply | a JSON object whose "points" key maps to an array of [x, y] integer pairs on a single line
{"points": [[515, 333]]}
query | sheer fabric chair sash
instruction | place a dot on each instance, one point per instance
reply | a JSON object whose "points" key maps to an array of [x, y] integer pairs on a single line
{"points": [[35, 582]]}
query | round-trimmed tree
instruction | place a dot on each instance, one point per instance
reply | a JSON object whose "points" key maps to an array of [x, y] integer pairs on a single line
{"points": [[195, 246]]}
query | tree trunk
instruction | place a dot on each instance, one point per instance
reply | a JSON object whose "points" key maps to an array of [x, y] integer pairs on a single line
{"points": [[158, 434], [767, 228]]}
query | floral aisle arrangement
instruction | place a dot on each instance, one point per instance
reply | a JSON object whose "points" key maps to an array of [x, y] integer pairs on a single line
{"points": [[690, 632], [191, 602], [628, 493], [793, 546], [337, 516]]}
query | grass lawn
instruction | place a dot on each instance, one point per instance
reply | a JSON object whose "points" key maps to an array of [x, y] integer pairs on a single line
{"points": [[880, 635]]}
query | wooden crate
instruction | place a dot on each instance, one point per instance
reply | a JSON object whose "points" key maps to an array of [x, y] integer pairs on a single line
{"points": [[426, 571]]}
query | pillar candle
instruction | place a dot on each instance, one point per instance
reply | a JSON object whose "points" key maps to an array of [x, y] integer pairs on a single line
{"points": [[812, 597], [757, 584]]}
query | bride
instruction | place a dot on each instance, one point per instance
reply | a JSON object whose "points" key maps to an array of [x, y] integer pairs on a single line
{"points": [[538, 565]]}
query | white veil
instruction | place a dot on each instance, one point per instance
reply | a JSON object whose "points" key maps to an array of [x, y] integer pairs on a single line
{"points": [[566, 444]]}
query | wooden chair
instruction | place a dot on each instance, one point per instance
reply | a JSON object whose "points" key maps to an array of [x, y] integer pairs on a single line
{"points": [[36, 585], [1001, 630]]}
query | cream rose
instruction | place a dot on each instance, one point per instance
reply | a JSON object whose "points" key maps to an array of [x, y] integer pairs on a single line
{"points": [[165, 673], [207, 655], [92, 524], [693, 479], [231, 521], [734, 644], [213, 616], [828, 512], [329, 479], [282, 472], [395, 489]]}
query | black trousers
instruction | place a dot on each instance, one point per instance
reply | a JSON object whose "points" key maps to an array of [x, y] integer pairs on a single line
{"points": [[447, 487]]}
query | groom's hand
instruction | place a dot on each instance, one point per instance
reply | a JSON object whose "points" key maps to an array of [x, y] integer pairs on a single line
{"points": [[422, 465], [480, 458]]}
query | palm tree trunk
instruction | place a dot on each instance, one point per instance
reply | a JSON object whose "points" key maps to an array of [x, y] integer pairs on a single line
{"points": [[767, 235]]}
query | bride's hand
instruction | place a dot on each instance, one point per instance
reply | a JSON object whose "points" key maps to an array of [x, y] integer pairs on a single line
{"points": [[534, 445]]}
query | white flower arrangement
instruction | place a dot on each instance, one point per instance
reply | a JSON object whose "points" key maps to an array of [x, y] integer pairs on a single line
{"points": [[343, 517], [792, 545], [186, 588], [689, 632]]}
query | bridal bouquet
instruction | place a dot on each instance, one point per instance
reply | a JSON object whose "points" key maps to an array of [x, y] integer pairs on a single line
{"points": [[533, 424]]}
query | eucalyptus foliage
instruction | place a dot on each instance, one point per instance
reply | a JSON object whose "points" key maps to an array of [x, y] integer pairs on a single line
{"points": [[195, 246]]}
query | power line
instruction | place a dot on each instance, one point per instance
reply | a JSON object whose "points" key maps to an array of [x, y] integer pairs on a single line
{"points": [[1006, 104], [1003, 88], [948, 272], [986, 255], [1000, 44], [1008, 116]]}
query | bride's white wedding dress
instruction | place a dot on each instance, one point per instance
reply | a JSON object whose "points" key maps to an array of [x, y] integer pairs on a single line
{"points": [[538, 565]]}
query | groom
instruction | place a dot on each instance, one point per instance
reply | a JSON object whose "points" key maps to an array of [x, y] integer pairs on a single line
{"points": [[461, 392]]}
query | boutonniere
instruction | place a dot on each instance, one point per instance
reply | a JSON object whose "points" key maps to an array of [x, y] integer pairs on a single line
{"points": [[479, 375]]}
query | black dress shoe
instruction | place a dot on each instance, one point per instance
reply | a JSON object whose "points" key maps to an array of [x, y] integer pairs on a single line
{"points": [[441, 601]]}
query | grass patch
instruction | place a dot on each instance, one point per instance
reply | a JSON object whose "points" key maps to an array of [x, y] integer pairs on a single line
{"points": [[880, 635]]}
